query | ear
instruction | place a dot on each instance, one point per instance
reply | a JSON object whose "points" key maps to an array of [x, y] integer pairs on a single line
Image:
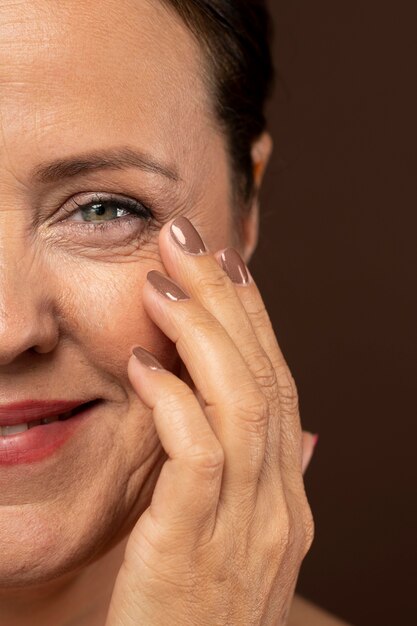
{"points": [[261, 152]]}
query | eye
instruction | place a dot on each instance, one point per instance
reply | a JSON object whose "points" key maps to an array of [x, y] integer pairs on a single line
{"points": [[107, 211]]}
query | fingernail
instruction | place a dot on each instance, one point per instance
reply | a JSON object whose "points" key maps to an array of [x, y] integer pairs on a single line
{"points": [[146, 358], [166, 286], [315, 439], [186, 236], [234, 266]]}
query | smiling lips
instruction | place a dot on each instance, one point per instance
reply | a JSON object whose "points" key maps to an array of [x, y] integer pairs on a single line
{"points": [[13, 429], [19, 417], [28, 411], [32, 430]]}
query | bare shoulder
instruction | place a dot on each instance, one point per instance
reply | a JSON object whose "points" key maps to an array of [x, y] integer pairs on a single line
{"points": [[305, 613]]}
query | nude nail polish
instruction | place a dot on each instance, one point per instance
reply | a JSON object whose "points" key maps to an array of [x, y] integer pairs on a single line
{"points": [[234, 266], [166, 287], [146, 358], [186, 236]]}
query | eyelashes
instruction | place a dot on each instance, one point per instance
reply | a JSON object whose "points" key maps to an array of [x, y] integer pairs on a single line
{"points": [[138, 214], [98, 205]]}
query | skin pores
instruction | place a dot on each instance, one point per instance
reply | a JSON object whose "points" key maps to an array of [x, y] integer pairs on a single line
{"points": [[76, 78]]}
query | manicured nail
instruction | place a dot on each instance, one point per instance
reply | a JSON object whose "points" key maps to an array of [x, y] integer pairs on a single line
{"points": [[166, 286], [234, 266], [315, 440], [186, 236], [146, 358]]}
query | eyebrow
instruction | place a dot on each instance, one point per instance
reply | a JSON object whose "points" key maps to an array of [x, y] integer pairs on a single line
{"points": [[113, 158]]}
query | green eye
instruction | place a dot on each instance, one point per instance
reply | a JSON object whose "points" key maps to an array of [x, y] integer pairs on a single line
{"points": [[108, 209]]}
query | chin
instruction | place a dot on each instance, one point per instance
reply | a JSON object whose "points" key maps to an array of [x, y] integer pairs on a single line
{"points": [[37, 548]]}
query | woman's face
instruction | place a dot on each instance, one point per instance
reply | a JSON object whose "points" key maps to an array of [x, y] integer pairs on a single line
{"points": [[76, 79]]}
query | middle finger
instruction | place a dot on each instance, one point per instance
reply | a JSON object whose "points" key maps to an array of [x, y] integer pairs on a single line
{"points": [[235, 407]]}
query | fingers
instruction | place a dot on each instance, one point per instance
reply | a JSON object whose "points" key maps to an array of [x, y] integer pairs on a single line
{"points": [[236, 408], [288, 431], [187, 491], [225, 339], [190, 264]]}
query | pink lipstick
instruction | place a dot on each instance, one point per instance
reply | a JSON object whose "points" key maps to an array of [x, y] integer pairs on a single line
{"points": [[33, 429]]}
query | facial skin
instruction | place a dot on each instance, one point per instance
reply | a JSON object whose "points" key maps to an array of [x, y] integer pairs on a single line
{"points": [[76, 78]]}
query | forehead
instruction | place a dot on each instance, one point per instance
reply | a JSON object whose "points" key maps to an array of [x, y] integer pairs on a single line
{"points": [[98, 71]]}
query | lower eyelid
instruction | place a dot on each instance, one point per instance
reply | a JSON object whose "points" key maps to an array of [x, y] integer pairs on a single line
{"points": [[81, 237], [127, 222]]}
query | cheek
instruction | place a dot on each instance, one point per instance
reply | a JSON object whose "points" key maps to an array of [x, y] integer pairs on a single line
{"points": [[102, 309]]}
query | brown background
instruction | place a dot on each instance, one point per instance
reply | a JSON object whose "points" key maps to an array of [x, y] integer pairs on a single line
{"points": [[337, 266]]}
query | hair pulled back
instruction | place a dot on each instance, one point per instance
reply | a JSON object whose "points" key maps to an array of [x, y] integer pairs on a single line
{"points": [[236, 38]]}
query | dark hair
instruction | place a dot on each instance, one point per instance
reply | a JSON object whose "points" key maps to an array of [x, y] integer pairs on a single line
{"points": [[236, 37]]}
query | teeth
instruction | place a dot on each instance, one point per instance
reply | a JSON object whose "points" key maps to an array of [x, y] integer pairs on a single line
{"points": [[49, 420], [11, 430], [20, 428]]}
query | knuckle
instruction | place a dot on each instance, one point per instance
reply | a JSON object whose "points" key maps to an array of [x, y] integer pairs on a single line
{"points": [[203, 325], [264, 373], [277, 525], [308, 530], [285, 531], [258, 316], [290, 531], [252, 412], [211, 280], [175, 401], [280, 535], [288, 392], [204, 329], [206, 459]]}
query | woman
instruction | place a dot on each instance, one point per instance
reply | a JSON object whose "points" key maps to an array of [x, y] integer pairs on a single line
{"points": [[163, 485]]}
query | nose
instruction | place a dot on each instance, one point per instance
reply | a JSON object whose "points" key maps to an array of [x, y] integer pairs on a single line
{"points": [[27, 321]]}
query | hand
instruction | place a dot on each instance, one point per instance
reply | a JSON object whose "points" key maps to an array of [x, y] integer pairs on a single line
{"points": [[229, 524]]}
